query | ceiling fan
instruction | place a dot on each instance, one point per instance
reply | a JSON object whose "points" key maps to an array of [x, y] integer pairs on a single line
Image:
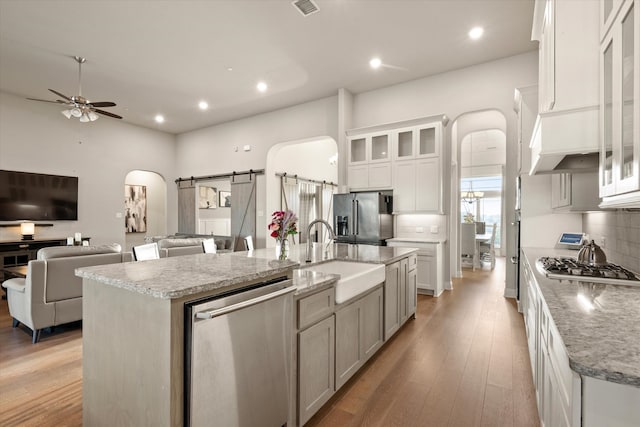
{"points": [[79, 106]]}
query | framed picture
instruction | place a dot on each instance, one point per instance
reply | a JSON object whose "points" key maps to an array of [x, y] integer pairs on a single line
{"points": [[225, 199], [207, 197], [135, 205]]}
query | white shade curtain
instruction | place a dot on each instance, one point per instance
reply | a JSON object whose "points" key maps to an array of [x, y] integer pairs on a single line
{"points": [[309, 200]]}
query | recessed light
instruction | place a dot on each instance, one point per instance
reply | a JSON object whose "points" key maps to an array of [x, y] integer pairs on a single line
{"points": [[262, 86], [229, 68], [476, 33], [375, 63], [159, 118], [203, 105]]}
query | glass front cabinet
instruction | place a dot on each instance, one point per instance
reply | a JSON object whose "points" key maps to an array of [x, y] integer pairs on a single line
{"points": [[619, 106], [369, 161]]}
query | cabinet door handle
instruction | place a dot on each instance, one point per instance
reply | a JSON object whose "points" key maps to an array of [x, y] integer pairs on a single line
{"points": [[23, 246]]}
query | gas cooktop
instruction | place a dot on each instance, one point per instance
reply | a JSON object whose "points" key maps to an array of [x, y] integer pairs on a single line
{"points": [[569, 268]]}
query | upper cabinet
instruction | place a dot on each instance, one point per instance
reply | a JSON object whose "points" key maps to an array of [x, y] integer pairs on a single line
{"points": [[525, 104], [417, 142], [567, 124], [404, 156], [619, 106], [369, 161]]}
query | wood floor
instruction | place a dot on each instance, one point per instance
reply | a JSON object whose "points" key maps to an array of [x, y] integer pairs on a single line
{"points": [[462, 362]]}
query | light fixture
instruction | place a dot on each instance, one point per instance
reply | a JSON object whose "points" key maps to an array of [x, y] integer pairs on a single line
{"points": [[159, 118], [475, 33], [92, 116], [470, 196], [203, 105], [262, 87], [67, 113], [375, 63], [27, 229]]}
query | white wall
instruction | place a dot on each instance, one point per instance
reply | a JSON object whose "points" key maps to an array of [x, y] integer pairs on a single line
{"points": [[481, 87], [212, 150], [156, 206], [219, 149], [35, 137], [307, 158]]}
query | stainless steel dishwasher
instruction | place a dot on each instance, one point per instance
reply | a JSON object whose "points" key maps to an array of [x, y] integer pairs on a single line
{"points": [[238, 357]]}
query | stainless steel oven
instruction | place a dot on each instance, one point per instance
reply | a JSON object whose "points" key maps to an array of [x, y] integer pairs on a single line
{"points": [[238, 357]]}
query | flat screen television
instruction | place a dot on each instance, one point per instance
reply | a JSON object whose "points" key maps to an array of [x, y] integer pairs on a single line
{"points": [[38, 197]]}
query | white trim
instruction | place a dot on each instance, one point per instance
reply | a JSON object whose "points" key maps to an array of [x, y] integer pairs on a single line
{"points": [[510, 293]]}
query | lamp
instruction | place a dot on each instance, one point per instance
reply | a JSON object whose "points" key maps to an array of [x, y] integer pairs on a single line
{"points": [[27, 229]]}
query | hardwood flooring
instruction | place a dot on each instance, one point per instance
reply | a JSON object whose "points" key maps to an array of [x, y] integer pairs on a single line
{"points": [[462, 362]]}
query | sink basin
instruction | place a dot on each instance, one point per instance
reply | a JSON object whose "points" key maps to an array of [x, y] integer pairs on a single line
{"points": [[355, 277]]}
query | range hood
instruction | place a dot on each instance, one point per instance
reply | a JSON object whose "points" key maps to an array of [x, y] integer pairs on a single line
{"points": [[565, 141]]}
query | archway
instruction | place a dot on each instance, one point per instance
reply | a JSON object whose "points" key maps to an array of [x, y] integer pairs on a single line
{"points": [[150, 191], [487, 122], [311, 158]]}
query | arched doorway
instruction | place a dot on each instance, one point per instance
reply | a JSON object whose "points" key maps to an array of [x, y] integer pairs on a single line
{"points": [[482, 163], [145, 195], [311, 158]]}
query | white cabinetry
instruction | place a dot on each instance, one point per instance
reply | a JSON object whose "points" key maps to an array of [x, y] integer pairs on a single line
{"points": [[370, 161], [525, 104], [620, 105], [574, 192], [558, 388], [568, 81], [405, 156], [429, 279]]}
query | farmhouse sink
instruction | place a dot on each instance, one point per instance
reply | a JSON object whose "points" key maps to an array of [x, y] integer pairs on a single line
{"points": [[355, 277]]}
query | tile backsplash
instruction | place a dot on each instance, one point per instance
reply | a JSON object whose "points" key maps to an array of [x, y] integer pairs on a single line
{"points": [[621, 233], [421, 226]]}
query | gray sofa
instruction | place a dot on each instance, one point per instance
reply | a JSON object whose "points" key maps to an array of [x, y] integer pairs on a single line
{"points": [[51, 294], [176, 246], [223, 243]]}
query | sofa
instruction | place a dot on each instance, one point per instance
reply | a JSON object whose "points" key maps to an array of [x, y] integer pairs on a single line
{"points": [[51, 293], [223, 243], [176, 246]]}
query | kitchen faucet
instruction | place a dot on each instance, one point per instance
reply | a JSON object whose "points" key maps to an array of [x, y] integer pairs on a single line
{"points": [[332, 236]]}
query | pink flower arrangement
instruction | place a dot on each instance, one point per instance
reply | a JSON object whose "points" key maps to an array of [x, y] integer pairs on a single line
{"points": [[283, 223]]}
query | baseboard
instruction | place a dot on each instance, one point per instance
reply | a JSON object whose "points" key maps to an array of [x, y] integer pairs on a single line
{"points": [[519, 307], [510, 293], [449, 285]]}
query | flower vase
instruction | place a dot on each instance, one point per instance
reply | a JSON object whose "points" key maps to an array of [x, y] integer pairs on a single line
{"points": [[282, 249]]}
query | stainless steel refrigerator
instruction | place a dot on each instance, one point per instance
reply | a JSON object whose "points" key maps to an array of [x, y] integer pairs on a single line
{"points": [[363, 218]]}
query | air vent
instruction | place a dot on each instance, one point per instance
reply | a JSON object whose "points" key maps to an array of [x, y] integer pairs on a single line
{"points": [[305, 7]]}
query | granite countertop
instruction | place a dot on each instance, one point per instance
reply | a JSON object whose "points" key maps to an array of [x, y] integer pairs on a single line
{"points": [[337, 251], [310, 281], [175, 277], [416, 240], [601, 335]]}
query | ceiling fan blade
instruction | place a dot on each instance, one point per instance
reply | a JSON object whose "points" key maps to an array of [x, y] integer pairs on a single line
{"points": [[103, 104], [46, 100], [106, 113], [60, 95]]}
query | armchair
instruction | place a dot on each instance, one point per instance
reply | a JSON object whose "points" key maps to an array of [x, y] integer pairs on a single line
{"points": [[51, 293]]}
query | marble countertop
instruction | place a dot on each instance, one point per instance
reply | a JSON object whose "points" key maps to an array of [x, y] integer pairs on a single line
{"points": [[599, 324], [176, 277]]}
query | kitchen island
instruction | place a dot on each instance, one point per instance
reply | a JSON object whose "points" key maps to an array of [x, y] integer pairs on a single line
{"points": [[134, 323], [584, 346]]}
